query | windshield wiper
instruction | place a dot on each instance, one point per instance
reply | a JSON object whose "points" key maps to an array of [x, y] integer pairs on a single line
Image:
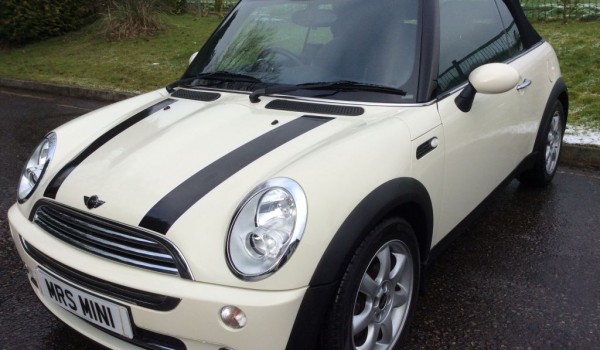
{"points": [[218, 75], [340, 85]]}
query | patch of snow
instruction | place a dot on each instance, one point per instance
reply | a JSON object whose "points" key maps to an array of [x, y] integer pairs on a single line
{"points": [[581, 136]]}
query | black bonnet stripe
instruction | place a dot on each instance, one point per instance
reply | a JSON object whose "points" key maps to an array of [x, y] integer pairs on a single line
{"points": [[164, 214], [57, 181]]}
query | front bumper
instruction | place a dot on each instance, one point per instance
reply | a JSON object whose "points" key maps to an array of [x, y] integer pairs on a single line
{"points": [[193, 323]]}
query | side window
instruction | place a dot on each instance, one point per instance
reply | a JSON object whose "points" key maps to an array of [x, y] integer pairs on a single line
{"points": [[513, 37], [471, 34]]}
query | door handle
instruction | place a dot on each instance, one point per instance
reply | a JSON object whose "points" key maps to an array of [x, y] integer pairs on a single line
{"points": [[524, 84]]}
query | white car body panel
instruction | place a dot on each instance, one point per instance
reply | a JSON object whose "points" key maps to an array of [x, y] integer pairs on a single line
{"points": [[496, 135], [174, 170], [267, 311], [78, 133], [131, 179], [387, 129]]}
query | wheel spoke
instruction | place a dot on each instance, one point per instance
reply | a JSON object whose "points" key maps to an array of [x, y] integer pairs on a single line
{"points": [[385, 263], [368, 286], [398, 270], [371, 340], [400, 297], [555, 124], [387, 330], [362, 320]]}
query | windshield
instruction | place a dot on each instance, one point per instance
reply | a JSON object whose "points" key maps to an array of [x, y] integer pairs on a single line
{"points": [[264, 43]]}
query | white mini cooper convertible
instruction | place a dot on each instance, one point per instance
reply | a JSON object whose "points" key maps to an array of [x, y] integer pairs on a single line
{"points": [[290, 189]]}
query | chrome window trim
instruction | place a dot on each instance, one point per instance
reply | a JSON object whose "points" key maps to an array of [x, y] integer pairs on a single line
{"points": [[321, 100], [466, 82]]}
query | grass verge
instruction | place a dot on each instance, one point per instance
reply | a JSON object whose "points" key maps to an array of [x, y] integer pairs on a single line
{"points": [[577, 45], [85, 58]]}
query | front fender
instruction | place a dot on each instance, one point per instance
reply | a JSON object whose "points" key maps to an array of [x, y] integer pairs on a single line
{"points": [[388, 199], [381, 202]]}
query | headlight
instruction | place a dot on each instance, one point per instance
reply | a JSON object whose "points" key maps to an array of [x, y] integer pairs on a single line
{"points": [[36, 167], [266, 229]]}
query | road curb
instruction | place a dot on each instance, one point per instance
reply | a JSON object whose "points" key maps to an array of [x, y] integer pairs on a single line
{"points": [[587, 156], [67, 90]]}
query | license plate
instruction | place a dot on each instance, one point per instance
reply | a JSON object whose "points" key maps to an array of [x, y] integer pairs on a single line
{"points": [[101, 312]]}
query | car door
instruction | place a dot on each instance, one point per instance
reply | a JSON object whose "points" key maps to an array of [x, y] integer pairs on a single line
{"points": [[485, 144]]}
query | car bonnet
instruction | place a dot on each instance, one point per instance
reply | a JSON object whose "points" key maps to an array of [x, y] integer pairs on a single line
{"points": [[157, 162]]}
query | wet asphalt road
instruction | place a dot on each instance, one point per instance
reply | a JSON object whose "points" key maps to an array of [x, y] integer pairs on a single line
{"points": [[524, 275]]}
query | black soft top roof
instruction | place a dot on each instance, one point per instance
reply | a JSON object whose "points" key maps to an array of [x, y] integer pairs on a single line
{"points": [[528, 34]]}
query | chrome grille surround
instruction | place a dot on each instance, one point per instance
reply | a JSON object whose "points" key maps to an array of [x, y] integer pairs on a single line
{"points": [[110, 240]]}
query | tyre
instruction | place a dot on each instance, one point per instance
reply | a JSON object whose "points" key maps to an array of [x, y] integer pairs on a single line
{"points": [[377, 294], [548, 151]]}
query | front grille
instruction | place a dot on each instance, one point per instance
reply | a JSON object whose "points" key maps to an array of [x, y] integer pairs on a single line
{"points": [[110, 240]]}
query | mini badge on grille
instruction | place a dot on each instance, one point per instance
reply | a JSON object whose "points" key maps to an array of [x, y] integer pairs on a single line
{"points": [[92, 202]]}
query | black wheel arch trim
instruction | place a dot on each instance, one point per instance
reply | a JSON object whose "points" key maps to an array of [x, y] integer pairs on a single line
{"points": [[308, 322], [385, 200], [559, 92], [390, 198]]}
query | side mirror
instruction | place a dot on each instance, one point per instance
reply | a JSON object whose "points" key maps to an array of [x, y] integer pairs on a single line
{"points": [[491, 78], [192, 57], [494, 78]]}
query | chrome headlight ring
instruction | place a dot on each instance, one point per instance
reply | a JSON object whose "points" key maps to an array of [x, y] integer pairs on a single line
{"points": [[35, 168], [266, 229]]}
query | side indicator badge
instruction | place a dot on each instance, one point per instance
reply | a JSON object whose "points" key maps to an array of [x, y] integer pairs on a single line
{"points": [[427, 147]]}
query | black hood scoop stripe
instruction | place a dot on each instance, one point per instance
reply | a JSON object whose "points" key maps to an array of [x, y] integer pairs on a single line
{"points": [[317, 108], [196, 95], [61, 176], [171, 207]]}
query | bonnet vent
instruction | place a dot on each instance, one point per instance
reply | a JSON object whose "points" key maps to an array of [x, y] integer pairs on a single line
{"points": [[196, 95], [314, 108]]}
